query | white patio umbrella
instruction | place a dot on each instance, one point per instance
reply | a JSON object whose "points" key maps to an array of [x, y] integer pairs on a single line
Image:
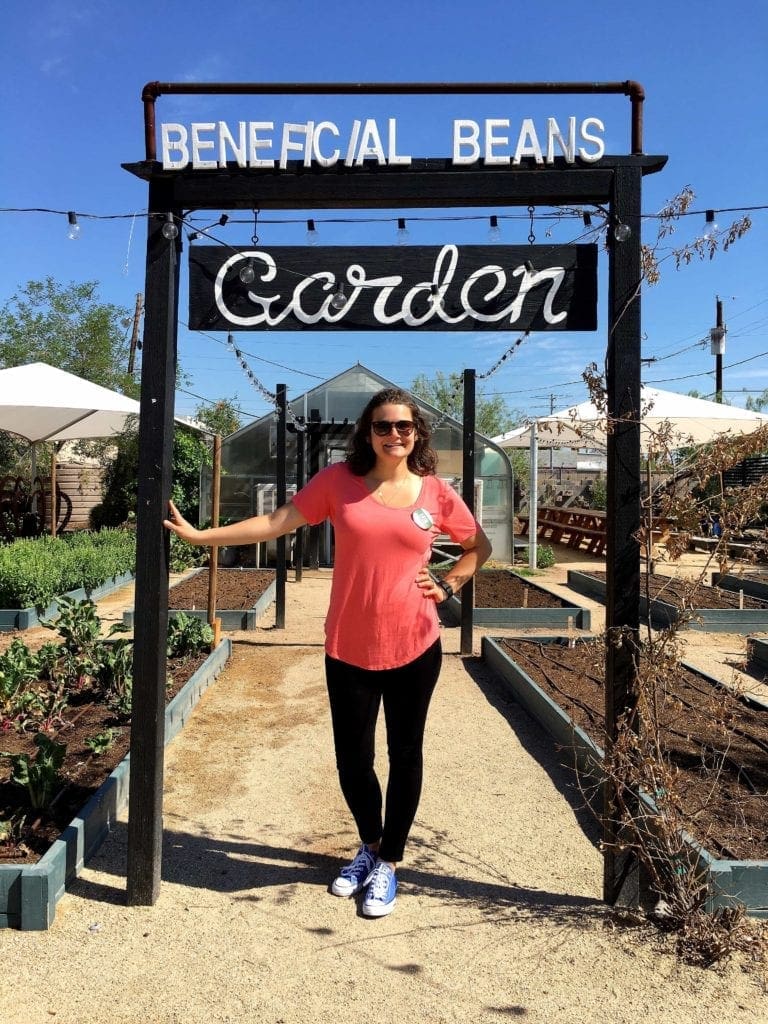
{"points": [[683, 421], [42, 403], [691, 421]]}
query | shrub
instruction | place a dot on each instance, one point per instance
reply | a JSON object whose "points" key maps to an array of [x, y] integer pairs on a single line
{"points": [[545, 556], [34, 572]]}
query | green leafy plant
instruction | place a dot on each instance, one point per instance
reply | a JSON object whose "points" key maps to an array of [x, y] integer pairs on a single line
{"points": [[101, 742], [188, 635], [545, 556], [39, 776], [115, 676], [12, 829], [18, 666], [34, 572]]}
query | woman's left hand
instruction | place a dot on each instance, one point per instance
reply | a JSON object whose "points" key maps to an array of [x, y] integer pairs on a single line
{"points": [[429, 589]]}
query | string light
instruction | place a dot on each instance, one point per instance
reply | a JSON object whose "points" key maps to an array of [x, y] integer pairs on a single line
{"points": [[503, 358], [247, 272], [339, 298], [562, 212], [621, 231], [311, 232], [587, 218], [170, 229], [402, 231], [494, 231], [73, 228], [711, 226], [268, 396]]}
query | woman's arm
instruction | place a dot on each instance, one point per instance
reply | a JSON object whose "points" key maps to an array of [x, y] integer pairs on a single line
{"points": [[477, 550], [248, 531]]}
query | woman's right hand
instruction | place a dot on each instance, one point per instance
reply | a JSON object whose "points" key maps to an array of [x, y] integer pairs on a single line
{"points": [[179, 525]]}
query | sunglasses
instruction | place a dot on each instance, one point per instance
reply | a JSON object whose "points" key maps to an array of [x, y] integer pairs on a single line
{"points": [[384, 427]]}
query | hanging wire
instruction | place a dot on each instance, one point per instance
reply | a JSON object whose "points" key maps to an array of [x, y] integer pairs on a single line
{"points": [[130, 240], [269, 396], [510, 351], [531, 235]]}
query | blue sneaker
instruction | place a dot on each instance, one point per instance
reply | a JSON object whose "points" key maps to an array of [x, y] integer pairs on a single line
{"points": [[352, 878], [381, 892]]}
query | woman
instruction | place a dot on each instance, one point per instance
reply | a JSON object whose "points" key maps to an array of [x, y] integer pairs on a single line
{"points": [[382, 630]]}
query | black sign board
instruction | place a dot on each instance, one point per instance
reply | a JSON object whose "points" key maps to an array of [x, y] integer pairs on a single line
{"points": [[394, 288]]}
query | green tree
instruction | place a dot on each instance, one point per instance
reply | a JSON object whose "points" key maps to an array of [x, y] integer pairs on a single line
{"points": [[759, 402], [190, 452], [68, 327], [446, 392], [222, 417]]}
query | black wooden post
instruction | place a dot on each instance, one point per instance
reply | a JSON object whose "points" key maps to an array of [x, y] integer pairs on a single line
{"points": [[158, 380], [468, 494], [314, 427], [621, 877], [300, 533], [280, 468]]}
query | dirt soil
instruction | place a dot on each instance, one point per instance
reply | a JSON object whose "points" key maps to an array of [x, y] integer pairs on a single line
{"points": [[717, 741], [236, 589], [82, 772], [691, 594], [499, 588]]}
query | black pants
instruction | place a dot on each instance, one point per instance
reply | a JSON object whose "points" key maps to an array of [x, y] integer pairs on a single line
{"points": [[355, 695]]}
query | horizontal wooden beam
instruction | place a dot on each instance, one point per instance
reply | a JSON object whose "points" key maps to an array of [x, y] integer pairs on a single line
{"points": [[425, 183]]}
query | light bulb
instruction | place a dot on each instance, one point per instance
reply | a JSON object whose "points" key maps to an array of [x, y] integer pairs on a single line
{"points": [[247, 274], [530, 267], [73, 228], [339, 299], [169, 229], [402, 232], [622, 231], [494, 232], [711, 227], [436, 297], [311, 233]]}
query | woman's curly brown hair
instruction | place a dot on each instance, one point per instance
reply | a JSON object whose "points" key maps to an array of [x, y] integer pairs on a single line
{"points": [[360, 456]]}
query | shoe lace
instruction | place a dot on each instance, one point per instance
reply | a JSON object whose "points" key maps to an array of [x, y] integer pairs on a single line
{"points": [[380, 881], [359, 864]]}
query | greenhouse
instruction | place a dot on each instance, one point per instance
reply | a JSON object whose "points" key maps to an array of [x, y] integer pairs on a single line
{"points": [[249, 459]]}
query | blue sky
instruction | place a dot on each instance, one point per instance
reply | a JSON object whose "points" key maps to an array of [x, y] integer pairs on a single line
{"points": [[72, 77]]}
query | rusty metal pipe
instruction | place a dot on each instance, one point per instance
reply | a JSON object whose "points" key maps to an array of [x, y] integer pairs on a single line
{"points": [[152, 90]]}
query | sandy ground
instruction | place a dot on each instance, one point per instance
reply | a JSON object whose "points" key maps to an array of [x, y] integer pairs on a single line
{"points": [[499, 912]]}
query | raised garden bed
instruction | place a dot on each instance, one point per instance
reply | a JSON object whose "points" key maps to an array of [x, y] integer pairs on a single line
{"points": [[673, 601], [754, 584], [26, 618], [758, 655], [561, 684], [504, 598], [243, 596], [32, 883]]}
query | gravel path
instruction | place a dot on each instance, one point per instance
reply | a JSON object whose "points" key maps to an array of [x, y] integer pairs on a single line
{"points": [[499, 914]]}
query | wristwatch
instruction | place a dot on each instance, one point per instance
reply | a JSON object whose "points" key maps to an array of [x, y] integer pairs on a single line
{"points": [[446, 588]]}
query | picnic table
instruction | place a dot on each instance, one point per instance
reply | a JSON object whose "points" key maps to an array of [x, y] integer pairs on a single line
{"points": [[575, 527], [584, 528]]}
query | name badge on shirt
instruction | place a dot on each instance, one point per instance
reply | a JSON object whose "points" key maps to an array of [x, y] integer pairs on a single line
{"points": [[422, 518]]}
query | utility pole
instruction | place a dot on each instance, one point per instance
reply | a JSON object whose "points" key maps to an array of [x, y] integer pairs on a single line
{"points": [[552, 450], [135, 343], [717, 347]]}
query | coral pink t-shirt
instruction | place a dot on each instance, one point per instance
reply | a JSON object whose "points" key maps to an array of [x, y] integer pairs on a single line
{"points": [[378, 618]]}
